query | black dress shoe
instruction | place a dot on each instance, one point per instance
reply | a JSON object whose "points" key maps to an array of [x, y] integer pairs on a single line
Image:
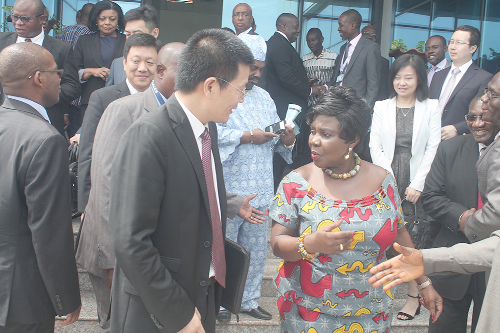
{"points": [[258, 313], [224, 316]]}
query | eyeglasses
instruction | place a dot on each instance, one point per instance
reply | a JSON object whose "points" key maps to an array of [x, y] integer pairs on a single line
{"points": [[457, 42], [490, 96], [472, 117], [58, 71], [24, 19], [366, 33], [243, 92]]}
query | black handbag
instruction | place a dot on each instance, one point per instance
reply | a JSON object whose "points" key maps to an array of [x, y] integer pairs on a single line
{"points": [[73, 178], [422, 231]]}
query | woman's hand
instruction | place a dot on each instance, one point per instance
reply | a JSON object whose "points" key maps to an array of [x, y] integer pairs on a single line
{"points": [[412, 195], [432, 302], [102, 72], [327, 242]]}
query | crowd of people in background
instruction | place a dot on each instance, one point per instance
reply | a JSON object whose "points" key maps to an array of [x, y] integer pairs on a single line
{"points": [[175, 155]]}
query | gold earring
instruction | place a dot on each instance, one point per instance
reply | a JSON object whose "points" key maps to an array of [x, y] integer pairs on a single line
{"points": [[346, 156]]}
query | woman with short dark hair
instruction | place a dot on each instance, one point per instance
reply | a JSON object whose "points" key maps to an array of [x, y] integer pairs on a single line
{"points": [[95, 52], [405, 134], [334, 219]]}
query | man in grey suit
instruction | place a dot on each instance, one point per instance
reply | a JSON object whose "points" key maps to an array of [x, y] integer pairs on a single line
{"points": [[371, 33], [445, 199], [462, 258], [354, 67], [143, 19], [435, 53], [27, 18], [167, 196], [37, 266], [140, 55], [478, 225]]}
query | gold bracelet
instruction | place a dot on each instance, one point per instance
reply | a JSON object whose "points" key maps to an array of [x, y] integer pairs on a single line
{"points": [[302, 250], [290, 146]]}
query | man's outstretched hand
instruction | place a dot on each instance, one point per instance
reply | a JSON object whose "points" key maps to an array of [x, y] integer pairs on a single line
{"points": [[407, 266], [250, 214]]}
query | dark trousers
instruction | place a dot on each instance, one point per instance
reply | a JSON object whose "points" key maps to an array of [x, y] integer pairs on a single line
{"points": [[42, 327], [453, 319]]}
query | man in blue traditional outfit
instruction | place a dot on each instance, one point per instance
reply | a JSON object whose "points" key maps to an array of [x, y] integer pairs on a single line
{"points": [[246, 152]]}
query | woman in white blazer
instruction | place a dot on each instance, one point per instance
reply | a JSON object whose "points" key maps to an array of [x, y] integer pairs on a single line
{"points": [[405, 134]]}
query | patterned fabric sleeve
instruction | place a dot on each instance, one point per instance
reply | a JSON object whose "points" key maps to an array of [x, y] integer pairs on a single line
{"points": [[397, 200], [285, 205], [228, 140]]}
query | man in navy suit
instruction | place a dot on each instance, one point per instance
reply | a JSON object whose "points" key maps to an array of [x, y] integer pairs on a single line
{"points": [[285, 79], [456, 86], [27, 18]]}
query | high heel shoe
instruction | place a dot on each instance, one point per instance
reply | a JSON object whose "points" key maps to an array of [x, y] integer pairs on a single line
{"points": [[417, 312]]}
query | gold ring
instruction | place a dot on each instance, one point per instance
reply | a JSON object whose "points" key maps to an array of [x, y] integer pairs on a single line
{"points": [[341, 247]]}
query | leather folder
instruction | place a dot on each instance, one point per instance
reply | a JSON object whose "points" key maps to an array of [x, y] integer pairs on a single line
{"points": [[237, 263]]}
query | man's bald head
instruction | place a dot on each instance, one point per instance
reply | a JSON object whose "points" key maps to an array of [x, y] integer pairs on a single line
{"points": [[370, 32], [167, 61], [37, 5], [289, 25], [19, 61]]}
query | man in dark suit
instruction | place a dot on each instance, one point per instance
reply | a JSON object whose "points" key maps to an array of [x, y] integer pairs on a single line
{"points": [[285, 79], [371, 33], [38, 270], [28, 18], [354, 67], [139, 61], [445, 199], [435, 53], [456, 86], [167, 195], [138, 20]]}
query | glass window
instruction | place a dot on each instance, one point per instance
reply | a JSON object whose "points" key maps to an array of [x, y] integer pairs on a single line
{"points": [[490, 43], [414, 13]]}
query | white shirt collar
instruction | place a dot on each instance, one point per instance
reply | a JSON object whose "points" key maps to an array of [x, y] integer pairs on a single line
{"points": [[355, 41], [131, 87], [245, 32], [196, 124], [40, 109], [282, 34], [462, 68], [37, 39], [441, 64]]}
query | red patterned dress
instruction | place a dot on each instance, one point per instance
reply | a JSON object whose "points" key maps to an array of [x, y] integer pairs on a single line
{"points": [[332, 293]]}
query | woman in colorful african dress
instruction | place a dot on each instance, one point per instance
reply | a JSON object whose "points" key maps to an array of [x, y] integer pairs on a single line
{"points": [[333, 220]]}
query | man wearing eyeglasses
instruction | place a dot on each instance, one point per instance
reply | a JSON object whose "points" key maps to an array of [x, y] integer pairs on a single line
{"points": [[27, 18], [445, 199], [456, 86], [371, 33], [38, 274]]}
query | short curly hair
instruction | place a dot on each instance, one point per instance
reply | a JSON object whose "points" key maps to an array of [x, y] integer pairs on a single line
{"points": [[351, 110], [98, 8]]}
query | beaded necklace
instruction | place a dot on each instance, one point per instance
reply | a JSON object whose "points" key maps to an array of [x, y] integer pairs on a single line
{"points": [[345, 175]]}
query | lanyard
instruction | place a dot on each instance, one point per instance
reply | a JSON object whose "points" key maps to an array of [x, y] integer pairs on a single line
{"points": [[159, 97]]}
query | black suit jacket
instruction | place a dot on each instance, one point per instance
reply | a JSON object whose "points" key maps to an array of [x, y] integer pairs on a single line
{"points": [[284, 76], [38, 275], [160, 223], [384, 91], [70, 84], [363, 72], [473, 81], [98, 103], [451, 189], [88, 55]]}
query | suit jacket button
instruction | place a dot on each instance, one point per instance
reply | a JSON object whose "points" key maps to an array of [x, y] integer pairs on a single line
{"points": [[474, 236], [203, 283], [206, 244]]}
